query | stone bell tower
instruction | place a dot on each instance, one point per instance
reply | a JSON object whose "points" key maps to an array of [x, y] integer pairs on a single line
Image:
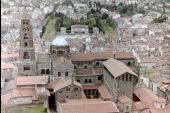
{"points": [[27, 63]]}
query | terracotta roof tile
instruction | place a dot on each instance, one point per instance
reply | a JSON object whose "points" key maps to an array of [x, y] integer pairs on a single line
{"points": [[100, 56], [124, 99], [88, 106], [138, 106], [119, 67], [61, 83], [105, 94], [25, 92], [146, 95], [31, 80]]}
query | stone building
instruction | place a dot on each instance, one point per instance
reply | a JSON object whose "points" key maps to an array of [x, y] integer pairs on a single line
{"points": [[26, 63], [120, 80], [79, 29], [73, 75]]}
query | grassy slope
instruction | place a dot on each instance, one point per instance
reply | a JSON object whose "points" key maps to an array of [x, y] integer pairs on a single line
{"points": [[50, 29], [106, 28]]}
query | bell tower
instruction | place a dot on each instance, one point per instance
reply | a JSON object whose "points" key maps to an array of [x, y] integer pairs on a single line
{"points": [[27, 63]]}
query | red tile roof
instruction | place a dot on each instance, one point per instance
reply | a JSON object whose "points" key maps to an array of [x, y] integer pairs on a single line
{"points": [[146, 95], [119, 67], [31, 80], [24, 92], [105, 94], [124, 99], [61, 83], [88, 106], [100, 56], [139, 106]]}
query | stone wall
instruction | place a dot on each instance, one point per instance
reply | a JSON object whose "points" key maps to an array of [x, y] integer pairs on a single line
{"points": [[68, 92]]}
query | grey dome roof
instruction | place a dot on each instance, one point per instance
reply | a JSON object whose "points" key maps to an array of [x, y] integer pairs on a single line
{"points": [[59, 41]]}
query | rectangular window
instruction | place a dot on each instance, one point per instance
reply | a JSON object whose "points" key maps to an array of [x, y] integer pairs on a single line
{"points": [[26, 68]]}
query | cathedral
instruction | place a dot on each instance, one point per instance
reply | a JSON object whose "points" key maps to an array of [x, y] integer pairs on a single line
{"points": [[107, 76]]}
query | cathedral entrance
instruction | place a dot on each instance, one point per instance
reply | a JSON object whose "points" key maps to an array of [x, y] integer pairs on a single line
{"points": [[51, 102]]}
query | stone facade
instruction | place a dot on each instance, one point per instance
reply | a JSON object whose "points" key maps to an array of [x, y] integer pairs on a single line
{"points": [[122, 85], [27, 63], [63, 94]]}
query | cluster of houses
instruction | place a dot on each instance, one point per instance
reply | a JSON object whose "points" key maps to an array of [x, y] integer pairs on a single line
{"points": [[83, 72]]}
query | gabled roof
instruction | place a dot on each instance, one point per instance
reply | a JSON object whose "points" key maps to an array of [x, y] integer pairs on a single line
{"points": [[61, 83], [117, 68]]}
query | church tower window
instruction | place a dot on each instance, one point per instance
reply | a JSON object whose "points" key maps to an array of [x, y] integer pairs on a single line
{"points": [[25, 44], [26, 36], [43, 71], [26, 55]]}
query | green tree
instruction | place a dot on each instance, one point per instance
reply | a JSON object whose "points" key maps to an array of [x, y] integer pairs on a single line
{"points": [[105, 16], [91, 22]]}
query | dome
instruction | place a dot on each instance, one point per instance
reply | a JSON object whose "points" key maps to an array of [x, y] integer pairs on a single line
{"points": [[59, 41]]}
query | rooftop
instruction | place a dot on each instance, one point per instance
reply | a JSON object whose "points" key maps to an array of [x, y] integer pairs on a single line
{"points": [[119, 67], [88, 106]]}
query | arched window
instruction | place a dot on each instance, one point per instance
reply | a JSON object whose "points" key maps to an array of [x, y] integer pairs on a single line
{"points": [[78, 80], [47, 71], [26, 36], [26, 55], [42, 71], [25, 44], [90, 80], [85, 81], [66, 73], [75, 67], [59, 74]]}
